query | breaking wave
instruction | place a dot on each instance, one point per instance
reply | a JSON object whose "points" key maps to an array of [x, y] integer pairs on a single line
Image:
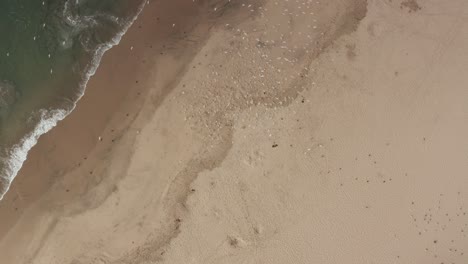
{"points": [[14, 158]]}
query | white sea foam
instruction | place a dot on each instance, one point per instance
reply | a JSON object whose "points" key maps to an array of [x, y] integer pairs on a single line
{"points": [[99, 52], [19, 153], [49, 118]]}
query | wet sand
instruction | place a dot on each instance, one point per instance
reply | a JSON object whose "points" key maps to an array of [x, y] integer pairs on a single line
{"points": [[275, 132], [112, 102]]}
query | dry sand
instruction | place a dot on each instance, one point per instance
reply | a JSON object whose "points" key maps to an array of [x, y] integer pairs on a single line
{"points": [[259, 132]]}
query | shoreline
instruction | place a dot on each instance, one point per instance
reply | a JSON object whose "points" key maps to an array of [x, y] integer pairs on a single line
{"points": [[50, 117], [50, 157], [291, 131]]}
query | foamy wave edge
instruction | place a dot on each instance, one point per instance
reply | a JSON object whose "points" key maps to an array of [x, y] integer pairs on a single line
{"points": [[50, 118]]}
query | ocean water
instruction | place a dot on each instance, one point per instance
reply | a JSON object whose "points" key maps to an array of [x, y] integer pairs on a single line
{"points": [[48, 51]]}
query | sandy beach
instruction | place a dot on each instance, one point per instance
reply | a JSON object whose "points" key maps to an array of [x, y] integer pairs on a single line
{"points": [[267, 131]]}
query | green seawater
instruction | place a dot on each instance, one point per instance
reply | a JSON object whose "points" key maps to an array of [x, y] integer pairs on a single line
{"points": [[48, 49]]}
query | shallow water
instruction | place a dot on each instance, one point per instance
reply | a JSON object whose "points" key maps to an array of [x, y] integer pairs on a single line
{"points": [[48, 51]]}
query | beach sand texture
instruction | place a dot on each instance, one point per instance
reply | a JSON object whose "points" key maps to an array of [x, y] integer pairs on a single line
{"points": [[259, 132]]}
